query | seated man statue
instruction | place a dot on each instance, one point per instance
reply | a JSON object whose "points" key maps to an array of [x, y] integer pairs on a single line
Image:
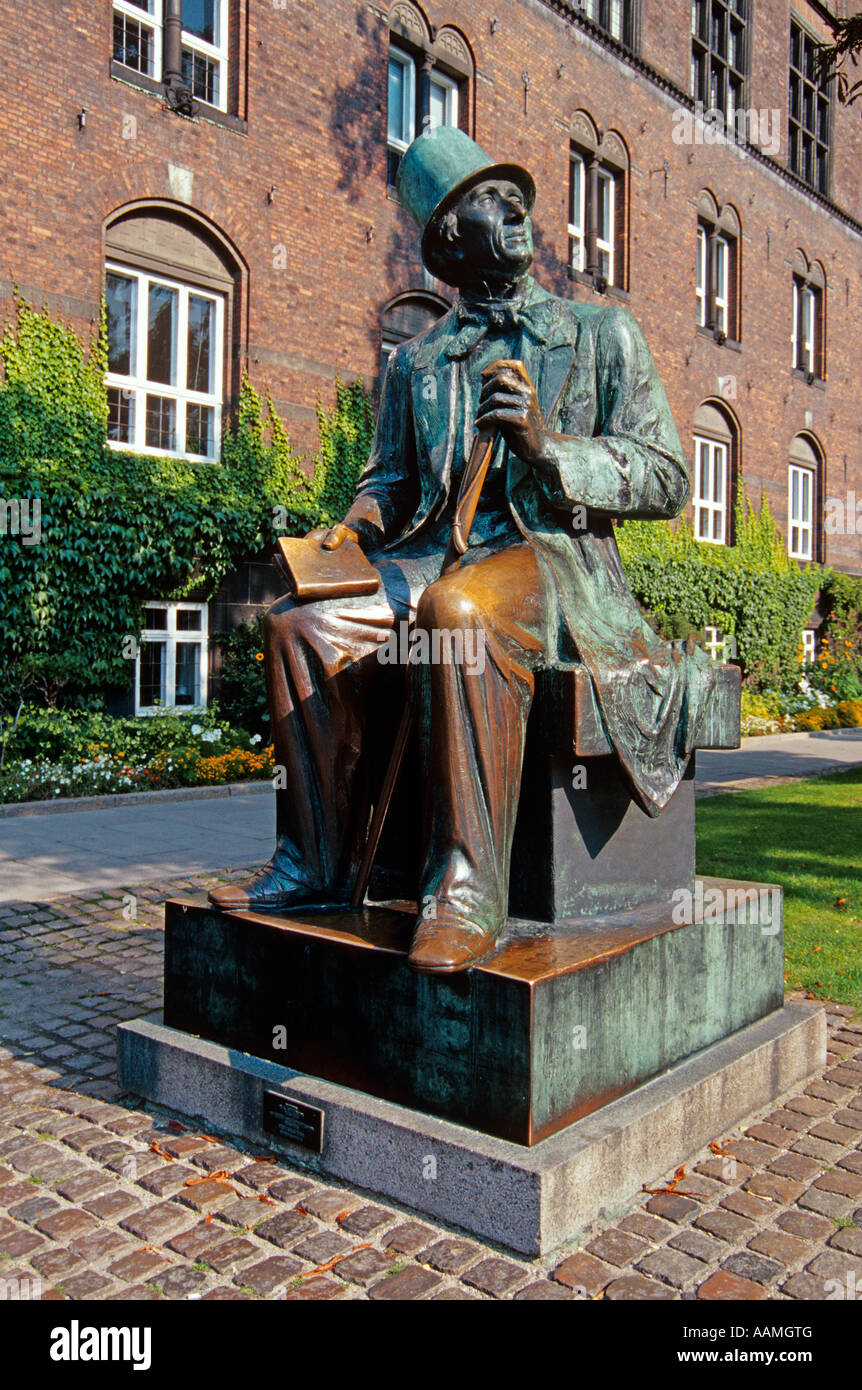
{"points": [[584, 435]]}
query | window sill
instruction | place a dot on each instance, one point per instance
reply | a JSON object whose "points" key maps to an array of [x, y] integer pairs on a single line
{"points": [[201, 111], [732, 343], [597, 284], [810, 380]]}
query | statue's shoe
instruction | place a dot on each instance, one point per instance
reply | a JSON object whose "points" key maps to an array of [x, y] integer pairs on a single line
{"points": [[269, 887], [450, 942]]}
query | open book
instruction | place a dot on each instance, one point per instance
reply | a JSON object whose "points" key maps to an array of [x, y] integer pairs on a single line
{"points": [[315, 573]]}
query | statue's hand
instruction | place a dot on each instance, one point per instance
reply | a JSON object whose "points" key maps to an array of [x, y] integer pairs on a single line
{"points": [[508, 402], [331, 538]]}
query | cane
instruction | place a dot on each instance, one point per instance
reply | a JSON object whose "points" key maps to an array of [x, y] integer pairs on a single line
{"points": [[469, 493]]}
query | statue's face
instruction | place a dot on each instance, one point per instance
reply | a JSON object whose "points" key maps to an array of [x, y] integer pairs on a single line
{"points": [[494, 229]]}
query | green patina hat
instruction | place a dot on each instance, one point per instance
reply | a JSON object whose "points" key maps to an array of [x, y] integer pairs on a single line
{"points": [[436, 169]]}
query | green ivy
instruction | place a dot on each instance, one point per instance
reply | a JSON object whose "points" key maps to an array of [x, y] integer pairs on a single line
{"points": [[118, 528]]}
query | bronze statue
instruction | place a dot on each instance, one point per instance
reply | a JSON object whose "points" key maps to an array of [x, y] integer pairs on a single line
{"points": [[583, 435]]}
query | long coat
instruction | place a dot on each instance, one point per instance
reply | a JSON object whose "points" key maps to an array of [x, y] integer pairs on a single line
{"points": [[616, 454]]}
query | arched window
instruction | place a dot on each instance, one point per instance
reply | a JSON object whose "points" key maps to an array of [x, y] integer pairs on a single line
{"points": [[804, 475], [429, 78], [716, 446], [598, 192], [170, 289], [407, 316], [718, 269], [808, 329]]}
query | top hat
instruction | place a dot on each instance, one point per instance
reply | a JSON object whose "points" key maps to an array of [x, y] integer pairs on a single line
{"points": [[436, 170]]}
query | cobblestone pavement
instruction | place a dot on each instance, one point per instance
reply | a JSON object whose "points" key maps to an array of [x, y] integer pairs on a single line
{"points": [[101, 1198]]}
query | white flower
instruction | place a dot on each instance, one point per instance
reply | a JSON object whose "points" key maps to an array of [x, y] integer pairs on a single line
{"points": [[255, 738], [196, 729]]}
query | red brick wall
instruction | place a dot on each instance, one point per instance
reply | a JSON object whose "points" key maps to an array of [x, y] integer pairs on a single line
{"points": [[315, 99]]}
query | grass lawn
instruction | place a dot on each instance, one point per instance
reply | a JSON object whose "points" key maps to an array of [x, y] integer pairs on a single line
{"points": [[805, 836]]}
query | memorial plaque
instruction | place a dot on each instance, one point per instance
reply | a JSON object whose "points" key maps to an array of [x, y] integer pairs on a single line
{"points": [[293, 1120]]}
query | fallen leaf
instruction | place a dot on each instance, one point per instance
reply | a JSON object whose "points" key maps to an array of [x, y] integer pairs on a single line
{"points": [[176, 1127], [222, 1176], [157, 1149], [815, 949], [336, 1259]]}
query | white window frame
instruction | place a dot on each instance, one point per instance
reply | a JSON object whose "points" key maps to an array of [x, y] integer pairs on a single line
{"points": [[605, 245], [722, 275], [809, 646], [715, 643], [804, 360], [700, 287], [170, 636], [151, 19], [449, 87], [217, 53], [801, 483], [709, 495], [140, 387], [577, 215], [408, 112]]}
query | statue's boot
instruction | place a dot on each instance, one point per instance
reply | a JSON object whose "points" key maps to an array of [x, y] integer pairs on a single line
{"points": [[450, 942], [276, 886]]}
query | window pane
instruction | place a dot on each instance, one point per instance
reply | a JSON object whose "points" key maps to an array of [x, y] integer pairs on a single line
{"points": [[153, 672], [438, 105], [161, 428], [605, 192], [200, 430], [121, 415], [121, 299], [400, 124], [200, 344], [162, 335], [188, 620], [201, 74], [188, 673], [133, 44], [200, 17], [155, 619]]}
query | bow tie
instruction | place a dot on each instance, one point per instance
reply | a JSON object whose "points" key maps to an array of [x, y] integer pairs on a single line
{"points": [[477, 317]]}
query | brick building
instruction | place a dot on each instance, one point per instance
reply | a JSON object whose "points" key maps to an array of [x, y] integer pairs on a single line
{"points": [[230, 164]]}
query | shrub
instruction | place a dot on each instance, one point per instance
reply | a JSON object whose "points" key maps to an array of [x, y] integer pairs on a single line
{"points": [[242, 693]]}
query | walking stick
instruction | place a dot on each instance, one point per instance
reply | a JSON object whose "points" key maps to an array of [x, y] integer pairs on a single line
{"points": [[465, 511]]}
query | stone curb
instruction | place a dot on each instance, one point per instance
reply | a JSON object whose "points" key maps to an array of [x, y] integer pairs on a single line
{"points": [[100, 803]]}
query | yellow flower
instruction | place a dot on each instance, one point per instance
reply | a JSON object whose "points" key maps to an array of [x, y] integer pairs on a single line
{"points": [[258, 656]]}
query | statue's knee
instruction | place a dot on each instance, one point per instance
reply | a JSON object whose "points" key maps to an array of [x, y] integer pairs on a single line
{"points": [[283, 623], [447, 604]]}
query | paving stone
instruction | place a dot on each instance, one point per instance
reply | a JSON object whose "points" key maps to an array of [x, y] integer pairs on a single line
{"points": [[671, 1207], [158, 1223], [407, 1284], [826, 1090], [140, 1265], [833, 1134], [102, 1244], [83, 1186], [787, 1119], [836, 1264], [699, 1245], [219, 1158], [166, 1181], [194, 1242], [839, 1180], [830, 1204], [207, 1196], [671, 1267], [408, 1239], [56, 1262], [804, 1224], [852, 1162], [451, 1256], [363, 1267], [804, 1285], [701, 1186], [67, 1224], [750, 1151], [288, 1189], [773, 1188], [242, 1211], [316, 1289], [584, 1273], [808, 1105], [268, 1276], [259, 1176], [725, 1224], [796, 1166], [20, 1243], [640, 1223], [33, 1209], [636, 1287], [750, 1265], [724, 1285], [770, 1134], [617, 1247], [366, 1220], [325, 1246], [849, 1118], [113, 1206], [231, 1253], [225, 1296], [848, 1238], [179, 1282], [495, 1276], [816, 1148], [86, 1285], [543, 1290], [727, 1172], [284, 1230], [330, 1203], [183, 1145], [780, 1245]]}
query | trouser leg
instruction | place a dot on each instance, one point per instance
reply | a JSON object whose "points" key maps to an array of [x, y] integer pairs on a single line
{"points": [[474, 716]]}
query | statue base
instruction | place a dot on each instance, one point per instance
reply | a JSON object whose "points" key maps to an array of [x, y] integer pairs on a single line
{"points": [[532, 1200], [559, 1020]]}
